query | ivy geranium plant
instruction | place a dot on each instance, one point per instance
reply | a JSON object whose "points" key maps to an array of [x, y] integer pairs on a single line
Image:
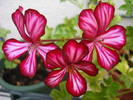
{"points": [[75, 56]]}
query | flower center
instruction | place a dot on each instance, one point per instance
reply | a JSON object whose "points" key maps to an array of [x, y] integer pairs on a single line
{"points": [[71, 67], [33, 46]]}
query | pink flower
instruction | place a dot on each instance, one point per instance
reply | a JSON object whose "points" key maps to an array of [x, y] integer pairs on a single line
{"points": [[105, 40], [34, 23], [69, 60]]}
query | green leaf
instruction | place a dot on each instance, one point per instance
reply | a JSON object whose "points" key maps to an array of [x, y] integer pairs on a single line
{"points": [[108, 91], [48, 33], [130, 74], [94, 83], [127, 81], [122, 66], [9, 64], [4, 32], [126, 73], [1, 43], [61, 94], [65, 30], [93, 96], [115, 20], [127, 6], [129, 37], [1, 55]]}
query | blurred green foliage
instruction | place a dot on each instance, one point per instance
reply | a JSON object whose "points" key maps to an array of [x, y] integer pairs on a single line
{"points": [[4, 63], [61, 93], [108, 91], [127, 6], [129, 37], [126, 73], [117, 19], [67, 29]]}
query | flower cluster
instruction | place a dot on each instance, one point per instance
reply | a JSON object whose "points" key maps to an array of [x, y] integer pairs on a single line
{"points": [[75, 56]]}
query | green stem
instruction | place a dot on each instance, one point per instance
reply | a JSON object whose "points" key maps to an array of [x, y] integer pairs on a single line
{"points": [[54, 40]]}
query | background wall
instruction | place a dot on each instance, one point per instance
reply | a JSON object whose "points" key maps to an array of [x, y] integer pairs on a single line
{"points": [[52, 9]]}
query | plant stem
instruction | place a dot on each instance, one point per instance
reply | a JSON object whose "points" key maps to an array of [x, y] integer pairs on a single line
{"points": [[54, 40]]}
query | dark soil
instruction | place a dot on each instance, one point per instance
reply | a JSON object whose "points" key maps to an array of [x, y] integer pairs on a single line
{"points": [[13, 76]]}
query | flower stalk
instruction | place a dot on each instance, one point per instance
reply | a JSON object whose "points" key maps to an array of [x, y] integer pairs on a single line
{"points": [[64, 39]]}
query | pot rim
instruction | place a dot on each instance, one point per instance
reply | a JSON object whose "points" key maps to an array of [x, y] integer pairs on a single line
{"points": [[20, 88]]}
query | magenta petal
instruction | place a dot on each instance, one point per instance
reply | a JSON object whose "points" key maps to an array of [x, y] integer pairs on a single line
{"points": [[55, 59], [107, 58], [75, 51], [76, 84], [114, 37], [54, 77], [35, 24], [104, 13], [18, 20], [14, 49], [88, 68], [28, 65], [90, 46], [88, 24], [44, 49]]}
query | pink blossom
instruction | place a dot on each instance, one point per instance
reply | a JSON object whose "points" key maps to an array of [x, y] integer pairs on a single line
{"points": [[104, 39], [34, 23], [69, 59]]}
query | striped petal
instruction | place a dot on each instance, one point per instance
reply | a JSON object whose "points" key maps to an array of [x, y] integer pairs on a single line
{"points": [[14, 49], [88, 68], [54, 77], [35, 24], [43, 49], [18, 20], [76, 84], [55, 59], [88, 24], [74, 51], [90, 46], [115, 37], [107, 58], [104, 13], [28, 65]]}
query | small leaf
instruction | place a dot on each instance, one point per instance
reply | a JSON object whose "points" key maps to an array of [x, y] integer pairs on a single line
{"points": [[93, 96], [4, 32], [108, 91], [129, 37], [61, 94], [115, 20], [9, 64], [127, 6], [127, 81], [122, 66], [48, 33]]}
